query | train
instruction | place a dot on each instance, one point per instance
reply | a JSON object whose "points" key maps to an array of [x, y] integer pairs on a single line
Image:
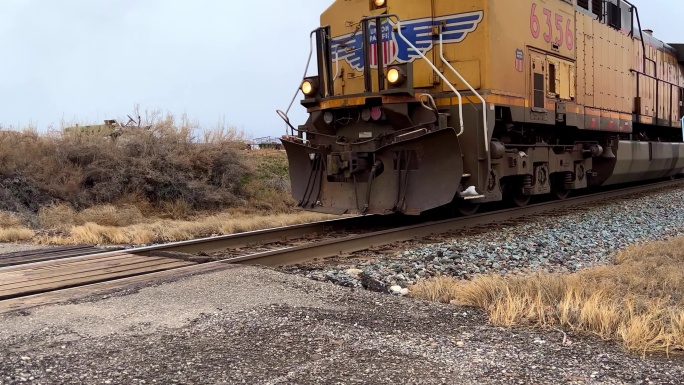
{"points": [[424, 105]]}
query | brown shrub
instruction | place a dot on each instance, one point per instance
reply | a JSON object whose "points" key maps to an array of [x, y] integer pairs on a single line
{"points": [[59, 216], [161, 169], [109, 215]]}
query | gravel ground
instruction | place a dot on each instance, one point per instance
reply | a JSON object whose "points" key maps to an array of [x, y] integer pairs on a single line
{"points": [[257, 326], [559, 244]]}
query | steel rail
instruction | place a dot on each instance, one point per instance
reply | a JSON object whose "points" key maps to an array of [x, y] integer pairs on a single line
{"points": [[222, 242], [333, 247]]}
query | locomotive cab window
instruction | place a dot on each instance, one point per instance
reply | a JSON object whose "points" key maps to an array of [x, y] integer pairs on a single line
{"points": [[539, 90], [583, 4], [614, 16], [597, 8]]}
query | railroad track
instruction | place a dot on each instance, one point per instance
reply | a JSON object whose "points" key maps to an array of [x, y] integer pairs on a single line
{"points": [[35, 283], [40, 271]]}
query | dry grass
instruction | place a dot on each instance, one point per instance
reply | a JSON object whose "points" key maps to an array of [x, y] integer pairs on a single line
{"points": [[12, 228], [639, 300], [168, 180], [62, 217], [165, 230], [15, 234]]}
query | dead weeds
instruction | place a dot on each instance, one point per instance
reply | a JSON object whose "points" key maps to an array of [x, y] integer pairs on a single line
{"points": [[638, 301], [158, 230], [15, 234]]}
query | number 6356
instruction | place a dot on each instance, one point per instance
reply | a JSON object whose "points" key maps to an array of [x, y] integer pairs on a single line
{"points": [[563, 27]]}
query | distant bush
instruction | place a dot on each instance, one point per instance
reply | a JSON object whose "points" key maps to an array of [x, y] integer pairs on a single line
{"points": [[161, 168]]}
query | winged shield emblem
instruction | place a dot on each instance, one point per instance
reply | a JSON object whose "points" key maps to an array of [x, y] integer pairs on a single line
{"points": [[455, 28]]}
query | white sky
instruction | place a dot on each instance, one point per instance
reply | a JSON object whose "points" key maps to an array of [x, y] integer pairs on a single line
{"points": [[216, 60]]}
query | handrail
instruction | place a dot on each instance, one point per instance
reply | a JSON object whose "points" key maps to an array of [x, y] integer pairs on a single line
{"points": [[283, 115], [484, 103], [460, 100], [337, 69]]}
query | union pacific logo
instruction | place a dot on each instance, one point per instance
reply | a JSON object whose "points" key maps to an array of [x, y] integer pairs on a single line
{"points": [[419, 32]]}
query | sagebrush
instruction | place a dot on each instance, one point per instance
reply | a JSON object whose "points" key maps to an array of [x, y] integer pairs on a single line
{"points": [[164, 167]]}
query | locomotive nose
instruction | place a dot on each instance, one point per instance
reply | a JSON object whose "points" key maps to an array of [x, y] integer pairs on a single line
{"points": [[390, 179]]}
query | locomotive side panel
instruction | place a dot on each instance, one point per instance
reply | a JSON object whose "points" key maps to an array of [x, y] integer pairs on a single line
{"points": [[471, 56], [523, 30], [658, 83], [584, 60], [669, 92], [611, 98]]}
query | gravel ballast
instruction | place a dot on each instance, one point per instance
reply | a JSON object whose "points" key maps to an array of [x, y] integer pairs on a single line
{"points": [[565, 243], [257, 326]]}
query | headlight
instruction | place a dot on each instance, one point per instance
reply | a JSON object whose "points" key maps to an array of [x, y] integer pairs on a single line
{"points": [[379, 3], [393, 75], [396, 76], [309, 87]]}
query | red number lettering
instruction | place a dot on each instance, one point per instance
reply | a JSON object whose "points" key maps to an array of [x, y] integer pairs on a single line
{"points": [[569, 36], [559, 27], [534, 22], [566, 36], [548, 35]]}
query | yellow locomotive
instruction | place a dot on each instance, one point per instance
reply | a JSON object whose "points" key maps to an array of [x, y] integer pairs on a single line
{"points": [[423, 104]]}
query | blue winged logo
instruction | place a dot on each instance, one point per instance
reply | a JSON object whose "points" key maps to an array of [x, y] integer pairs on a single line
{"points": [[455, 28]]}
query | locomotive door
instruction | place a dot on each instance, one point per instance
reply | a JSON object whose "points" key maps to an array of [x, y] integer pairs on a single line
{"points": [[537, 81]]}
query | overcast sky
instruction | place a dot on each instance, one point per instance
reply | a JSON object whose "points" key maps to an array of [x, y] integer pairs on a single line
{"points": [[216, 60]]}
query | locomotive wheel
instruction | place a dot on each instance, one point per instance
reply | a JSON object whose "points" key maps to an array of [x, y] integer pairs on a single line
{"points": [[516, 197], [465, 208], [558, 189], [513, 195], [520, 199], [560, 192]]}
